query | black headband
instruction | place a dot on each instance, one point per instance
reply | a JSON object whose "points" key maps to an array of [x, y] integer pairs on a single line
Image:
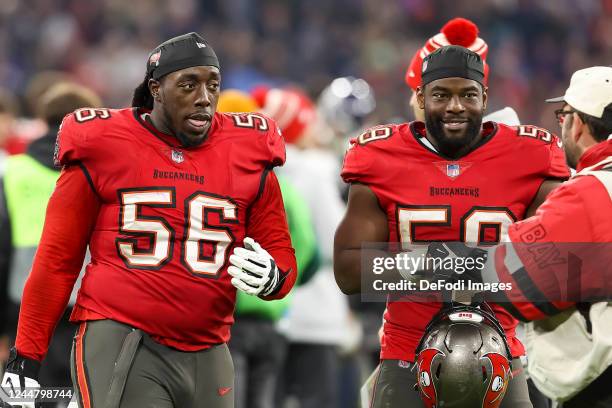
{"points": [[452, 61], [184, 51]]}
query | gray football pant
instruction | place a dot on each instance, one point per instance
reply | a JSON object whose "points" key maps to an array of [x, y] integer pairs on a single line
{"points": [[115, 366], [394, 387]]}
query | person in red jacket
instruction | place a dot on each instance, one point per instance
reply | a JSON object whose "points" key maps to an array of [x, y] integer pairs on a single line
{"points": [[179, 207], [558, 256], [561, 256]]}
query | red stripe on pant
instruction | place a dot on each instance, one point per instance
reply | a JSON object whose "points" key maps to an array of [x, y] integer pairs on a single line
{"points": [[375, 384], [79, 361]]}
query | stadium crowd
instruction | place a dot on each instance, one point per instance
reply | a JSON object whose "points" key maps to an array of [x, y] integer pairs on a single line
{"points": [[102, 43]]}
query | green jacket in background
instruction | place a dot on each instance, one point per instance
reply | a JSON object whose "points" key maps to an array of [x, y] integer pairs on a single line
{"points": [[304, 241], [27, 184]]}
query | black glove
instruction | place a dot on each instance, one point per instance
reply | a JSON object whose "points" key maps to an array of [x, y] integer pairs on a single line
{"points": [[20, 381], [454, 261]]}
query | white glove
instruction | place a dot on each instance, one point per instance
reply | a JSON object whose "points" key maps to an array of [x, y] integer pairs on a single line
{"points": [[19, 391], [253, 270]]}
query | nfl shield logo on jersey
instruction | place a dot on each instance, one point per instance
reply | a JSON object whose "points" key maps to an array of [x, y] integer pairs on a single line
{"points": [[177, 156], [453, 170]]}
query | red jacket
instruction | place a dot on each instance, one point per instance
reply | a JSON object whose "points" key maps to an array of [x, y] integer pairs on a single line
{"points": [[561, 255]]}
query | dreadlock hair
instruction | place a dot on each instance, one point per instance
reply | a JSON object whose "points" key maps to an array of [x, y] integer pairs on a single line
{"points": [[142, 97]]}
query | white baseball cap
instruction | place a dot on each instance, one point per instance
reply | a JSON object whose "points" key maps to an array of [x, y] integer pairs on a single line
{"points": [[590, 92]]}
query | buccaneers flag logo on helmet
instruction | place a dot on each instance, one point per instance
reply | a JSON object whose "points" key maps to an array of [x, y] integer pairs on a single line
{"points": [[463, 360]]}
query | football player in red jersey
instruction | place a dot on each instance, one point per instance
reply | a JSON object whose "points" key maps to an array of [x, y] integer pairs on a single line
{"points": [[560, 259], [452, 178], [162, 193]]}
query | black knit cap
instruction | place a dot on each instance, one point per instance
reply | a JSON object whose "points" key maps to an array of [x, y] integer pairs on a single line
{"points": [[184, 51], [452, 61]]}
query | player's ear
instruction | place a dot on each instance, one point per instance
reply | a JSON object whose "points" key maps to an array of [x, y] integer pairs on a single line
{"points": [[154, 86], [420, 96], [577, 127], [484, 97]]}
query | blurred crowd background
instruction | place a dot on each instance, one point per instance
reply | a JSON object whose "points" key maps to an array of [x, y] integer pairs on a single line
{"points": [[534, 46]]}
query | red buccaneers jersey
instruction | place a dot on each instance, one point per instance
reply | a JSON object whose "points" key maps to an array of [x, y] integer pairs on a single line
{"points": [[428, 197], [169, 219]]}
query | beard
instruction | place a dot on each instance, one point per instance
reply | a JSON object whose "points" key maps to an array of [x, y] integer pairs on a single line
{"points": [[452, 146], [186, 140], [571, 158]]}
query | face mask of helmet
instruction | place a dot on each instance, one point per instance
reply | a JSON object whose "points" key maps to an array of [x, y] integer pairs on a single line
{"points": [[345, 103], [463, 359]]}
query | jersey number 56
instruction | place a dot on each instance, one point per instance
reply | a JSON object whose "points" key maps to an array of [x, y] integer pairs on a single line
{"points": [[161, 235]]}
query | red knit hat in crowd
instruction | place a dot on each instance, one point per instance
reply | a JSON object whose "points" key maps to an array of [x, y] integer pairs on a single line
{"points": [[458, 31], [290, 108]]}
